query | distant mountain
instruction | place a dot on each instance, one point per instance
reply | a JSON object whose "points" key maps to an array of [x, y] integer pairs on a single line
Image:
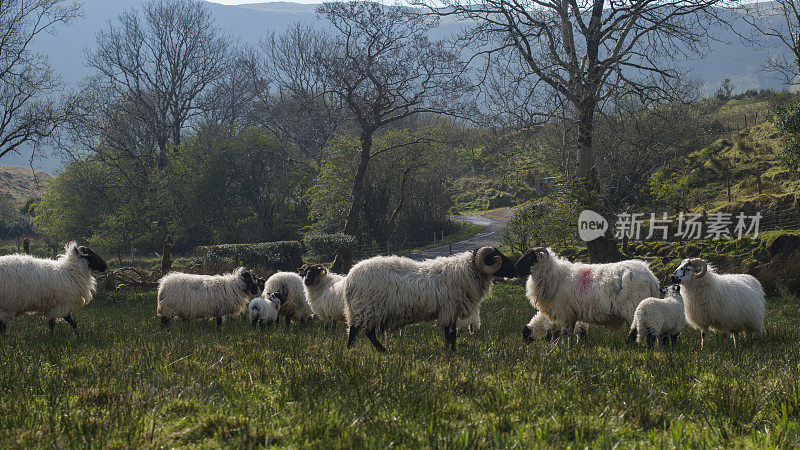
{"points": [[247, 24]]}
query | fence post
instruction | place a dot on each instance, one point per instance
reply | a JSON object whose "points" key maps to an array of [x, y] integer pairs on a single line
{"points": [[434, 237], [442, 236], [450, 248]]}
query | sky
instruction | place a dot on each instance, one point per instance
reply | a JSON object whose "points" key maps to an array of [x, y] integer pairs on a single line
{"points": [[242, 2]]}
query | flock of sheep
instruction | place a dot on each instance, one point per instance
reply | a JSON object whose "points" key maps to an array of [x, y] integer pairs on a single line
{"points": [[385, 293]]}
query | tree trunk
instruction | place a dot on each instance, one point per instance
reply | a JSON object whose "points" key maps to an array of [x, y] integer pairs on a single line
{"points": [[602, 249], [344, 259]]}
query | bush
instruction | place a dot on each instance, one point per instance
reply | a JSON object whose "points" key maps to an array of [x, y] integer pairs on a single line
{"points": [[550, 223], [324, 247], [280, 255]]}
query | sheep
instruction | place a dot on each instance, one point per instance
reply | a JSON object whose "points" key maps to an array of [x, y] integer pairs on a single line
{"points": [[55, 288], [659, 319], [296, 307], [189, 296], [540, 327], [264, 311], [603, 294], [732, 303], [324, 292], [389, 292]]}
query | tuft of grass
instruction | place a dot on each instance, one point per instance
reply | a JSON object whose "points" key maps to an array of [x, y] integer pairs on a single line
{"points": [[129, 383]]}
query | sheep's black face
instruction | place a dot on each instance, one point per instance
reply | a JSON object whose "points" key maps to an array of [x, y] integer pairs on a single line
{"points": [[313, 274], [251, 283], [254, 315], [683, 272], [277, 298], [527, 334], [507, 268], [94, 261], [262, 283], [525, 262]]}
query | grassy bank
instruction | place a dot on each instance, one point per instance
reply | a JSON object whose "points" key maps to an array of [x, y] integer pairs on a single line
{"points": [[127, 382]]}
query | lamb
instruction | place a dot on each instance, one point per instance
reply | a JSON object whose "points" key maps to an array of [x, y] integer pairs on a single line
{"points": [[296, 307], [264, 311], [603, 294], [55, 288], [324, 292], [540, 327], [388, 292], [659, 319], [189, 296], [732, 303]]}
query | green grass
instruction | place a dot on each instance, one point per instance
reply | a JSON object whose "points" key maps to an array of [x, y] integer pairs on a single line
{"points": [[128, 383]]}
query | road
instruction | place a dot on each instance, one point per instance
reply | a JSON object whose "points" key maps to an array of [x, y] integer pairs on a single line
{"points": [[492, 222]]}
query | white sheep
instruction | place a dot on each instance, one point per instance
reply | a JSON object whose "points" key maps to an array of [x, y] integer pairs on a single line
{"points": [[732, 303], [190, 296], [296, 307], [603, 294], [659, 319], [56, 288], [540, 327], [325, 294], [264, 311], [388, 292]]}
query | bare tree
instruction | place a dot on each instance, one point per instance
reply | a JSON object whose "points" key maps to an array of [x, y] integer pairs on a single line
{"points": [[295, 104], [381, 65], [776, 21], [231, 100], [26, 114], [160, 60], [585, 52]]}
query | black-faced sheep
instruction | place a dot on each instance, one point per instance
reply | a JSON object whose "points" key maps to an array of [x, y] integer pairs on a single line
{"points": [[659, 319], [602, 294], [390, 292], [55, 288], [731, 303], [189, 296], [325, 294], [264, 311]]}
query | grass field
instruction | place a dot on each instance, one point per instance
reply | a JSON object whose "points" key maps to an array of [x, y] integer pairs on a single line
{"points": [[128, 383]]}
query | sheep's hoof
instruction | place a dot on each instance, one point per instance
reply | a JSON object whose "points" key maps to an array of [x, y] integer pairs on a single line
{"points": [[632, 337], [71, 321], [164, 322], [527, 334], [375, 342]]}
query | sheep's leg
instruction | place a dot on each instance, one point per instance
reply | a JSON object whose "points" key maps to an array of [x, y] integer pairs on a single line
{"points": [[164, 321], [288, 321], [581, 333], [352, 332], [261, 325], [651, 338], [2, 328], [702, 338], [674, 340], [219, 321], [71, 321], [375, 342], [665, 341], [632, 337], [733, 336], [566, 335], [52, 325], [450, 333], [333, 327], [527, 334]]}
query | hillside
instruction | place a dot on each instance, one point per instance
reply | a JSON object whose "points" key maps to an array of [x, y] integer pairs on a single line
{"points": [[21, 183]]}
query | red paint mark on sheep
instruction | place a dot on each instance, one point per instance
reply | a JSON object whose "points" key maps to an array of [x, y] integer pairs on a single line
{"points": [[585, 281]]}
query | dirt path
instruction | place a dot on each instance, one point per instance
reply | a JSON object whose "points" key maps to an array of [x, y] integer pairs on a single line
{"points": [[492, 222]]}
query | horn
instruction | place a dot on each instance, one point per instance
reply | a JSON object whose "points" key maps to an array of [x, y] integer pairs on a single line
{"points": [[480, 260], [697, 262], [542, 250], [324, 269]]}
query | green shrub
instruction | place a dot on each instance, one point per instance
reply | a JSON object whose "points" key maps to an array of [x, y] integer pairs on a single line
{"points": [[324, 247], [280, 255]]}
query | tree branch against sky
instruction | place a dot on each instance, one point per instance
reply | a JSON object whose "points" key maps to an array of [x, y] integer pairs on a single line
{"points": [[586, 51], [777, 21], [27, 115]]}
